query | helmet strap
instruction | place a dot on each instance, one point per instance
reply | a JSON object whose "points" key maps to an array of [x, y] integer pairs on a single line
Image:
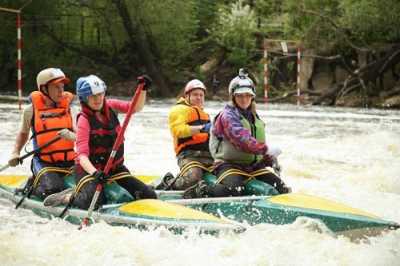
{"points": [[46, 93]]}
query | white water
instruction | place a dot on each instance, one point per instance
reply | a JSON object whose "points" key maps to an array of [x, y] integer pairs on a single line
{"points": [[348, 155]]}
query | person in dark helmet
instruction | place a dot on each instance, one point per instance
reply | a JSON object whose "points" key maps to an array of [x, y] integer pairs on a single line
{"points": [[97, 129], [239, 145], [47, 116]]}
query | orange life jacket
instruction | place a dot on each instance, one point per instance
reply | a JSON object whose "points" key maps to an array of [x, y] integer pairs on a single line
{"points": [[198, 141], [46, 122]]}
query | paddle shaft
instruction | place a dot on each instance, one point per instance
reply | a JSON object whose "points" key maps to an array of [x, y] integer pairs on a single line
{"points": [[117, 143], [47, 144]]}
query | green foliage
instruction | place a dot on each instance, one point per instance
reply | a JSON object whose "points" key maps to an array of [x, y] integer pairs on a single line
{"points": [[234, 31], [90, 36], [312, 21], [372, 21], [172, 26]]}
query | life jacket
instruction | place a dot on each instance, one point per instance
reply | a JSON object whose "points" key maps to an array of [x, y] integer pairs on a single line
{"points": [[46, 122], [102, 137], [195, 116], [223, 150]]}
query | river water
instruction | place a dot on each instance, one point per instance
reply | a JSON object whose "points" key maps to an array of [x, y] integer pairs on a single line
{"points": [[351, 156]]}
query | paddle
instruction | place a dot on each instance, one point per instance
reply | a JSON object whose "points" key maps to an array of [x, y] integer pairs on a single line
{"points": [[20, 159], [142, 82]]}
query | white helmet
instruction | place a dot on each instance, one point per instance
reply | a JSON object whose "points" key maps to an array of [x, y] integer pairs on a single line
{"points": [[50, 75], [194, 84], [242, 84]]}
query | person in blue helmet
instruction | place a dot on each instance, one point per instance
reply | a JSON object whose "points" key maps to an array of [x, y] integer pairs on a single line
{"points": [[97, 129]]}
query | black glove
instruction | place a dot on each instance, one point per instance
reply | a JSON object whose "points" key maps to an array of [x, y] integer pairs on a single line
{"points": [[269, 160], [100, 176], [206, 128], [146, 80]]}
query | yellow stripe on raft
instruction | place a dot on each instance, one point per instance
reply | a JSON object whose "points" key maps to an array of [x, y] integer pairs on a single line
{"points": [[312, 202], [12, 180], [16, 180], [158, 208], [147, 179]]}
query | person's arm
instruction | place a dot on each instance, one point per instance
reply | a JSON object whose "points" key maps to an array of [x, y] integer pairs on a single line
{"points": [[141, 101], [82, 144], [122, 106], [20, 141], [239, 136], [87, 164], [178, 124], [22, 135]]}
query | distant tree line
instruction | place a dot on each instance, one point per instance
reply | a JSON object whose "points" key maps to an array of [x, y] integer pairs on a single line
{"points": [[172, 40]]}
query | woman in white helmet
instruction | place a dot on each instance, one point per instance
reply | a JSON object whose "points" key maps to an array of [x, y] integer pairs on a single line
{"points": [[238, 143], [97, 129], [189, 125], [47, 116]]}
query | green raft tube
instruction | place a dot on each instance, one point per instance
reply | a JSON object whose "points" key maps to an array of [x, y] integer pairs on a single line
{"points": [[262, 204]]}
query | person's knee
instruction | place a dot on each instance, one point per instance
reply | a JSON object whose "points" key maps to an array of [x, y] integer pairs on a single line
{"points": [[191, 177], [84, 197], [146, 193], [221, 190], [233, 186], [81, 203], [48, 185]]}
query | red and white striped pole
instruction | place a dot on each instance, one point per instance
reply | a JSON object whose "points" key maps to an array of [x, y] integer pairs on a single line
{"points": [[298, 74], [19, 60], [266, 85], [19, 47]]}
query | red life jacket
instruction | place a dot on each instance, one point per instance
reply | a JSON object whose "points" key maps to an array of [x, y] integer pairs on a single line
{"points": [[102, 137], [46, 122]]}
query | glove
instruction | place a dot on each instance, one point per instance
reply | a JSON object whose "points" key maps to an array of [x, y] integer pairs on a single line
{"points": [[146, 80], [100, 176], [14, 159], [66, 134], [206, 128], [273, 151]]}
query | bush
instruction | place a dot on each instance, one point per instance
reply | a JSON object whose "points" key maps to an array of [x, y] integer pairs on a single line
{"points": [[234, 31]]}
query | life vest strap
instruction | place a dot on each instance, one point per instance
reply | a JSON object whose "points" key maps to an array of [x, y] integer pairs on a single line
{"points": [[249, 176], [194, 164], [88, 178], [50, 169]]}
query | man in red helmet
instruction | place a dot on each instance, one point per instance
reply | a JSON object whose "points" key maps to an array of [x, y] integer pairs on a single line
{"points": [[47, 116], [189, 125]]}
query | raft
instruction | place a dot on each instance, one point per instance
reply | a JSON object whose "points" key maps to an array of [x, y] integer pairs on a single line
{"points": [[263, 204], [146, 214]]}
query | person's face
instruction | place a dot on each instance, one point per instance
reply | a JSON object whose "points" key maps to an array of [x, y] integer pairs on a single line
{"points": [[55, 91], [196, 97], [95, 102], [243, 100]]}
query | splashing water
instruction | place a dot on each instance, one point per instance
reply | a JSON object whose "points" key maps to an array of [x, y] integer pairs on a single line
{"points": [[347, 155]]}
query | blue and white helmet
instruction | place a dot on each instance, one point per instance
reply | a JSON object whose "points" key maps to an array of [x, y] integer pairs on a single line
{"points": [[89, 85], [242, 84]]}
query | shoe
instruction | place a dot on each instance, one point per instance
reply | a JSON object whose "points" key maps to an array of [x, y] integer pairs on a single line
{"points": [[285, 190], [166, 182], [198, 190], [60, 198]]}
